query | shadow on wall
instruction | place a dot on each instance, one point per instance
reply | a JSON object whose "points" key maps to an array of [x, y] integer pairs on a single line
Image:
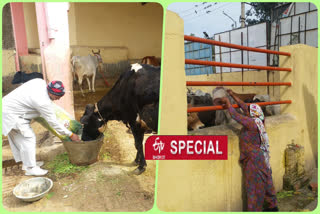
{"points": [[110, 73], [243, 184], [29, 64], [113, 70], [311, 118], [7, 87], [243, 191]]}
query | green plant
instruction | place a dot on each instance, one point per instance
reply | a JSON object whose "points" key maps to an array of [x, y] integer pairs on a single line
{"points": [[61, 165], [100, 177], [67, 184], [106, 156], [284, 194], [114, 180], [49, 195]]}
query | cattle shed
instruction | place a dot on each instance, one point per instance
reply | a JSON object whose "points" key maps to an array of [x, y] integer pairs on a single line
{"points": [[123, 32], [216, 185]]}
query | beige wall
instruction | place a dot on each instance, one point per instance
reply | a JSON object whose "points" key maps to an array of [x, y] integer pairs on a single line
{"points": [[72, 24], [31, 24], [248, 76], [173, 94], [304, 96], [217, 185], [173, 118], [108, 54], [118, 25]]}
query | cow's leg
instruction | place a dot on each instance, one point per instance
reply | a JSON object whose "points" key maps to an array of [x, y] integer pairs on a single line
{"points": [[80, 83], [136, 161], [138, 134], [88, 81]]}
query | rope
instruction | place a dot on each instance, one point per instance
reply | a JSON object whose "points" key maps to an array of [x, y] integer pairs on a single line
{"points": [[96, 108]]}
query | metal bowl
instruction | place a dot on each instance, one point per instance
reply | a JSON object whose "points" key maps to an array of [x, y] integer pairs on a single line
{"points": [[33, 189]]}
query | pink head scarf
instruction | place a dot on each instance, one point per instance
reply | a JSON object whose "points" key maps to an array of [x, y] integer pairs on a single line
{"points": [[257, 114]]}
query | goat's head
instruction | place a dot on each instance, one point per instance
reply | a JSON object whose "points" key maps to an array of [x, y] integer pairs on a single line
{"points": [[97, 54], [73, 61]]}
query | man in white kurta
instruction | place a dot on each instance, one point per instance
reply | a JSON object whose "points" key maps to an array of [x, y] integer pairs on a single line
{"points": [[19, 107]]}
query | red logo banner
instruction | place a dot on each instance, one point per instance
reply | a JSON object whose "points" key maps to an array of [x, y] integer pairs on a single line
{"points": [[187, 147]]}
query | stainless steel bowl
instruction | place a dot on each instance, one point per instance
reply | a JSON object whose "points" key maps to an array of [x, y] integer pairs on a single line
{"points": [[33, 189]]}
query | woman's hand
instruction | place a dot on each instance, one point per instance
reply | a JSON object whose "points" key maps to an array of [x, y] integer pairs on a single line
{"points": [[225, 102], [230, 92]]}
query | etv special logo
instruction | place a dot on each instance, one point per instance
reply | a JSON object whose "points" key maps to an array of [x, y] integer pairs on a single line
{"points": [[184, 147], [158, 145]]}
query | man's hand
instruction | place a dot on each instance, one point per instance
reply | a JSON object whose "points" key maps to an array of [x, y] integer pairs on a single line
{"points": [[75, 137]]}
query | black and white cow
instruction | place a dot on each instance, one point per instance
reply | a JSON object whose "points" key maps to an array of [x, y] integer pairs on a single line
{"points": [[203, 119], [134, 99]]}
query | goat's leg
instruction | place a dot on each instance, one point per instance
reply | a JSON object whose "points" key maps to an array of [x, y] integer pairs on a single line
{"points": [[138, 134], [74, 76], [93, 80], [80, 84], [88, 81]]}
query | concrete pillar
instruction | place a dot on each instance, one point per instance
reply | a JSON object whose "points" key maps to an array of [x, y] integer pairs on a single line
{"points": [[55, 48], [304, 96], [43, 33], [174, 91], [174, 105], [19, 31]]}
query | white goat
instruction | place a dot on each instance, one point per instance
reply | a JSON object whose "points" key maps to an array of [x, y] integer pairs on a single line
{"points": [[86, 66]]}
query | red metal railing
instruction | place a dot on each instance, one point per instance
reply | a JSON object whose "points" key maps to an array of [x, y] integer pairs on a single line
{"points": [[212, 108], [229, 45], [232, 65], [210, 83]]}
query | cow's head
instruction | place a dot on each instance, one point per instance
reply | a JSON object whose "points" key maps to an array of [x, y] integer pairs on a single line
{"points": [[97, 54], [92, 123]]}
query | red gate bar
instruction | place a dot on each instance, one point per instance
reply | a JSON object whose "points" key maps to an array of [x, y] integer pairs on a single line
{"points": [[229, 45], [212, 108], [211, 83], [232, 65]]}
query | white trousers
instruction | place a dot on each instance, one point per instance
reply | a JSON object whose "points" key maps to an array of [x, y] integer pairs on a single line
{"points": [[23, 145]]}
